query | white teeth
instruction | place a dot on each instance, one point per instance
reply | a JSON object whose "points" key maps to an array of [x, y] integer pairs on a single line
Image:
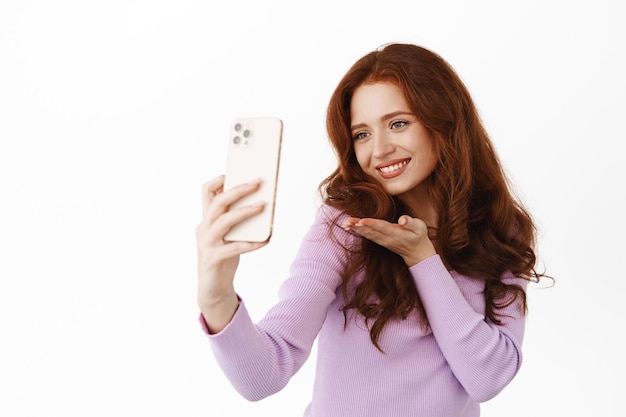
{"points": [[394, 167]]}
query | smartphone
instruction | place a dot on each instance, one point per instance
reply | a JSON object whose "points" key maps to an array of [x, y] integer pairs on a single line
{"points": [[254, 152]]}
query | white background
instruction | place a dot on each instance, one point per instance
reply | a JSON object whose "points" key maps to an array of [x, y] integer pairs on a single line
{"points": [[113, 113]]}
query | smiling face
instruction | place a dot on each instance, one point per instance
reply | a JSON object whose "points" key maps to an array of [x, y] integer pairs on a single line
{"points": [[390, 143]]}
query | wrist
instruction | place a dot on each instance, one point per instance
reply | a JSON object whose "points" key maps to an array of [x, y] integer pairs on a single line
{"points": [[218, 312], [418, 257], [212, 299]]}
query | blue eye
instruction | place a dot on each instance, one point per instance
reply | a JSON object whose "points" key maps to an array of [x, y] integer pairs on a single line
{"points": [[398, 124], [360, 135]]}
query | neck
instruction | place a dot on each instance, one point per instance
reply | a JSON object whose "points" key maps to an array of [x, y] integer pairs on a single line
{"points": [[418, 200]]}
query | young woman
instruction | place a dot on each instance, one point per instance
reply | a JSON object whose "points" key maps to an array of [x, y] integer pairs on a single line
{"points": [[413, 274]]}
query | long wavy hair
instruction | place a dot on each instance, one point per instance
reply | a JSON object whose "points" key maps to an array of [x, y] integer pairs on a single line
{"points": [[483, 230]]}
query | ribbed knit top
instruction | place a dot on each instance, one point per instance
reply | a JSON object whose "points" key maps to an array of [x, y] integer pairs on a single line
{"points": [[462, 359]]}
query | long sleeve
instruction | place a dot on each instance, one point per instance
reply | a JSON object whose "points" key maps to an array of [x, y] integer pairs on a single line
{"points": [[444, 370], [259, 359], [483, 356]]}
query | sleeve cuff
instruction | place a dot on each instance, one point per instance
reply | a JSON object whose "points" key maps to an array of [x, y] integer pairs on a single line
{"points": [[205, 327]]}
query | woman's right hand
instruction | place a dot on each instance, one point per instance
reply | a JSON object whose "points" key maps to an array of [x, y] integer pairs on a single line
{"points": [[218, 259]]}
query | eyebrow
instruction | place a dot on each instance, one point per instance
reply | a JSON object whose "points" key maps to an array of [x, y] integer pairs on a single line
{"points": [[384, 118]]}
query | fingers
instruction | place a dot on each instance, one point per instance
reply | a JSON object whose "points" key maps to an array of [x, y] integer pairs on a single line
{"points": [[405, 222], [376, 230], [212, 231], [219, 216], [235, 248], [395, 236], [216, 201], [416, 226], [226, 221], [210, 190], [408, 238]]}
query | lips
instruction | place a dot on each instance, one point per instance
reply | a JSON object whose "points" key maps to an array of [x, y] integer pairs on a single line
{"points": [[393, 168]]}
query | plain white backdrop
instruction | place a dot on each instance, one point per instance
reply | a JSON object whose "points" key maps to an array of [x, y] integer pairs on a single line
{"points": [[113, 114]]}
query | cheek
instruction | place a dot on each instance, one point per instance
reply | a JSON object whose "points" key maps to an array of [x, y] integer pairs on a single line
{"points": [[430, 154], [361, 157]]}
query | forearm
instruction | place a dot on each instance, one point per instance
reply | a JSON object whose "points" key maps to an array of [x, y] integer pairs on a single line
{"points": [[217, 311], [483, 356], [257, 364]]}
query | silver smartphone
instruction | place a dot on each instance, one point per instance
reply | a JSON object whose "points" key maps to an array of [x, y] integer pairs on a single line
{"points": [[254, 152]]}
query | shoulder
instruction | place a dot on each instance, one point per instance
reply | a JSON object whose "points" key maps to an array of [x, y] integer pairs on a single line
{"points": [[327, 227], [324, 250], [330, 215]]}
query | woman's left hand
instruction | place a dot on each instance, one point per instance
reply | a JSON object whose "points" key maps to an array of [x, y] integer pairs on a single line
{"points": [[408, 238]]}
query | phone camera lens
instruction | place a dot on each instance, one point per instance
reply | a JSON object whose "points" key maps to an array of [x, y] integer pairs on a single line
{"points": [[237, 127], [246, 133], [236, 140]]}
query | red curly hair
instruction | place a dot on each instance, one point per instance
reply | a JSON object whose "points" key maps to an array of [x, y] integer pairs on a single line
{"points": [[483, 231]]}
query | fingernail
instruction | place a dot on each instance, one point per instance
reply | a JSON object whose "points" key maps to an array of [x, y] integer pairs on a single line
{"points": [[258, 204], [254, 181], [347, 225]]}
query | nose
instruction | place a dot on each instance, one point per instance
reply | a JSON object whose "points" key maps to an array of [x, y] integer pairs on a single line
{"points": [[382, 145]]}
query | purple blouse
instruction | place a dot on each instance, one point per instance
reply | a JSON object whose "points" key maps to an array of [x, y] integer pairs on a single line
{"points": [[462, 359]]}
